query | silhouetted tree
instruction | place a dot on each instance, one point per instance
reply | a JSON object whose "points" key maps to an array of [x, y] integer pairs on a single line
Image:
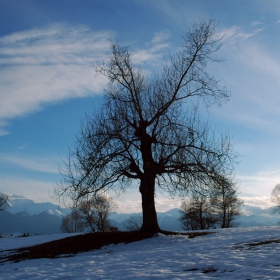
{"points": [[197, 213], [4, 201], [148, 129], [95, 212], [218, 206], [226, 204]]}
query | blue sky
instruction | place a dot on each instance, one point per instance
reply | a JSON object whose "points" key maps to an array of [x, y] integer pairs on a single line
{"points": [[47, 82]]}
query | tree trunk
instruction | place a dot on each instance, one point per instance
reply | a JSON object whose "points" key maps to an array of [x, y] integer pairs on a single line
{"points": [[224, 217], [147, 189]]}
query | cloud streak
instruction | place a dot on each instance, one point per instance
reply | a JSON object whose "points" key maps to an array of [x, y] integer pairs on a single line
{"points": [[46, 65], [41, 66], [46, 165], [259, 184], [27, 187], [251, 71]]}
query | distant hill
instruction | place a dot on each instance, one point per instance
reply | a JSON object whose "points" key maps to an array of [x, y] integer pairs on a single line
{"points": [[26, 216], [20, 223], [255, 216]]}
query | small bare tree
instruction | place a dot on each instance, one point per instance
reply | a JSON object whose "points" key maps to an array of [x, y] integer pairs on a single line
{"points": [[95, 212], [72, 223], [134, 223], [226, 204], [197, 213], [4, 201], [218, 206]]}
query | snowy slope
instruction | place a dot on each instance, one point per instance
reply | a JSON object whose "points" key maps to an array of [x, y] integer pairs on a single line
{"points": [[223, 255]]}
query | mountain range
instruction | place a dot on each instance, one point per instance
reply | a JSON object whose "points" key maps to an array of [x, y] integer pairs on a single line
{"points": [[27, 216]]}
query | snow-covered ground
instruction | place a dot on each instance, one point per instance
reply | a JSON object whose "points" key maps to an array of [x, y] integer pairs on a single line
{"points": [[223, 255]]}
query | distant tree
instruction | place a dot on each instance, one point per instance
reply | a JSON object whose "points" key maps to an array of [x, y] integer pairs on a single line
{"points": [[4, 201], [226, 204], [72, 223], [149, 130], [95, 213], [134, 223], [218, 206], [275, 198], [197, 213]]}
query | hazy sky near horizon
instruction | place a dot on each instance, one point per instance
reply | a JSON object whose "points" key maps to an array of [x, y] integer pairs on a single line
{"points": [[47, 82]]}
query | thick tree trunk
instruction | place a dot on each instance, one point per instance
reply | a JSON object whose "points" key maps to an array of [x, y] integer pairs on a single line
{"points": [[147, 189]]}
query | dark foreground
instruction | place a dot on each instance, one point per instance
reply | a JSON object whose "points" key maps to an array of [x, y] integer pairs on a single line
{"points": [[70, 246]]}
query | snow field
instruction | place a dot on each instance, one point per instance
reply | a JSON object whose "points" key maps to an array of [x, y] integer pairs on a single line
{"points": [[223, 255]]}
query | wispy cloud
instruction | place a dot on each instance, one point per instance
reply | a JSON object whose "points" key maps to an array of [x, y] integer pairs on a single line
{"points": [[40, 66], [44, 65], [46, 165], [252, 72], [235, 33], [38, 190], [259, 184], [154, 50], [15, 196], [258, 201], [256, 22], [161, 36]]}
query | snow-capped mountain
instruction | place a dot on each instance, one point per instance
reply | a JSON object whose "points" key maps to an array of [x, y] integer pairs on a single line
{"points": [[24, 215], [251, 216], [32, 208]]}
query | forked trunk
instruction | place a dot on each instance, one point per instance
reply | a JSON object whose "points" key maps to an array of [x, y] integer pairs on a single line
{"points": [[150, 223]]}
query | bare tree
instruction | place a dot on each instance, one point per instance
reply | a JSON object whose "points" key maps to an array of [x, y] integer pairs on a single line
{"points": [[95, 212], [275, 198], [218, 206], [72, 223], [197, 213], [4, 201], [226, 204], [134, 223], [148, 129]]}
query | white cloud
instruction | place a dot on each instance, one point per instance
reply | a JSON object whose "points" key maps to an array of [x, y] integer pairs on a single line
{"points": [[41, 66], [27, 187], [15, 196], [161, 36], [256, 22], [44, 65], [252, 73], [259, 184], [3, 124], [258, 201], [235, 33]]}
